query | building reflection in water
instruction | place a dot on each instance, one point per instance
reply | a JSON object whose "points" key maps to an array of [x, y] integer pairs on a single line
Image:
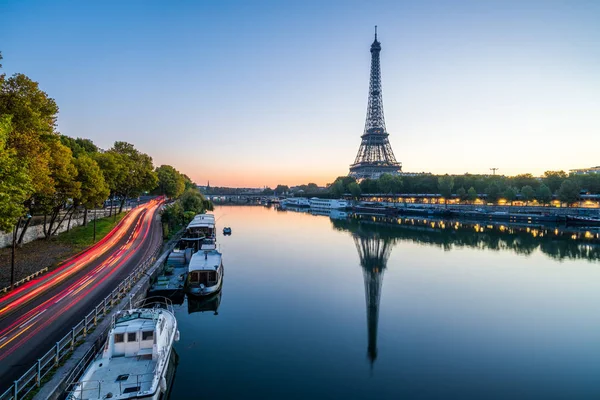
{"points": [[374, 252]]}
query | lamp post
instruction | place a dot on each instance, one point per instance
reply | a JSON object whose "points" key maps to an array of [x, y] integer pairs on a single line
{"points": [[14, 246]]}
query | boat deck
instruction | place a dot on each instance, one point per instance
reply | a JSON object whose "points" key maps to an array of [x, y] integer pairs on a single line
{"points": [[136, 375]]}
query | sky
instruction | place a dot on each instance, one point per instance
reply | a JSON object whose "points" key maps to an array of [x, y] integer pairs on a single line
{"points": [[260, 93]]}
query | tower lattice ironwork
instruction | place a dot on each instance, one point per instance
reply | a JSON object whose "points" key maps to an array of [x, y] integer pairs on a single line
{"points": [[375, 156], [374, 253]]}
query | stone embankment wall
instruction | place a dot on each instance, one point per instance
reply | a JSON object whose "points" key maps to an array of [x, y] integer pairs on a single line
{"points": [[35, 232]]}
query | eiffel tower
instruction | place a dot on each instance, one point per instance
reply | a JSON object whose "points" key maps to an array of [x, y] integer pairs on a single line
{"points": [[374, 252], [375, 156]]}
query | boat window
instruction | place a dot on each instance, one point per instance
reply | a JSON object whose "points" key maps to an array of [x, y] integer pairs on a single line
{"points": [[119, 337], [147, 335], [132, 337]]}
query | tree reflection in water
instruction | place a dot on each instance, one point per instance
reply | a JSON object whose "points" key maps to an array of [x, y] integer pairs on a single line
{"points": [[559, 243]]}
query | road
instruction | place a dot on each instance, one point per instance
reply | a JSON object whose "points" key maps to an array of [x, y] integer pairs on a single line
{"points": [[36, 315]]}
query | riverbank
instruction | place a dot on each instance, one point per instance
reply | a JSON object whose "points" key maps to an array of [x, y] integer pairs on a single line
{"points": [[39, 254]]}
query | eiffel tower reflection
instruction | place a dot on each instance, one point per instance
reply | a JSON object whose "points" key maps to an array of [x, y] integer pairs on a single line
{"points": [[374, 252]]}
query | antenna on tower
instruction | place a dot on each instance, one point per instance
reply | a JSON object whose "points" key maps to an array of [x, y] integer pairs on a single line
{"points": [[375, 32]]}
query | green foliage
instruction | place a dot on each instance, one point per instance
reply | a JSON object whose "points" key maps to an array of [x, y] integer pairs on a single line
{"points": [[94, 189], [543, 194], [527, 193], [188, 184], [192, 200], [493, 192], [140, 176], [268, 191], [568, 191], [337, 188], [170, 182], [79, 146], [33, 120], [113, 169], [462, 193], [15, 184], [472, 194], [354, 189], [510, 194], [281, 189], [369, 186], [445, 185], [553, 179]]}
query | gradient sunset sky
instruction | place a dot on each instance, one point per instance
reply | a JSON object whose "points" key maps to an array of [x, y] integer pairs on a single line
{"points": [[255, 93]]}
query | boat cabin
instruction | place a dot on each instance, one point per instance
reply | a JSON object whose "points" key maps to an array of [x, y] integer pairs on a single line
{"points": [[205, 270]]}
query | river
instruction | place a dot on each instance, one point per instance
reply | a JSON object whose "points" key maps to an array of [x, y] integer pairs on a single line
{"points": [[325, 308]]}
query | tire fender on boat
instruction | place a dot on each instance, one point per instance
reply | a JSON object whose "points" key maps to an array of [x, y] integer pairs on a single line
{"points": [[163, 384], [177, 335]]}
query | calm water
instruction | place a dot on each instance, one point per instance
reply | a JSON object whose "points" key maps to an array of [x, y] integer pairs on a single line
{"points": [[461, 314]]}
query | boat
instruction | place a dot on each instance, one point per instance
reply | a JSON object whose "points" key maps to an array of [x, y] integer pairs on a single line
{"points": [[227, 231], [205, 273], [135, 357], [582, 221], [296, 202], [336, 204]]}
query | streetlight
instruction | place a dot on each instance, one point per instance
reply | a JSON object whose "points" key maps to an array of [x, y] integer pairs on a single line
{"points": [[14, 246]]}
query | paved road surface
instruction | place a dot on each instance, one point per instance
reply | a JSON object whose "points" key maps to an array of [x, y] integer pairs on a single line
{"points": [[36, 315]]}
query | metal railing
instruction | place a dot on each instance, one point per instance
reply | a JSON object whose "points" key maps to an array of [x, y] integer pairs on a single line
{"points": [[26, 279], [32, 378]]}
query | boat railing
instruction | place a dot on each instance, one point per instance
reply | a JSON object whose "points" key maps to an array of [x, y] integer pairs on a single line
{"points": [[88, 389], [156, 302]]}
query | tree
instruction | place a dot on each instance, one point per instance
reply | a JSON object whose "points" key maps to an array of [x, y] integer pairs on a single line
{"points": [[66, 187], [15, 184], [188, 183], [553, 179], [113, 169], [34, 117], [543, 194], [568, 191], [140, 176], [510, 194], [337, 188], [170, 182], [94, 189], [282, 189], [521, 180], [192, 200], [385, 184], [493, 192], [369, 186], [445, 186], [461, 193], [527, 193], [472, 194], [79, 146], [267, 191], [354, 189]]}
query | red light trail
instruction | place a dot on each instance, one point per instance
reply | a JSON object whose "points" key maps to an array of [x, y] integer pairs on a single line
{"points": [[44, 302]]}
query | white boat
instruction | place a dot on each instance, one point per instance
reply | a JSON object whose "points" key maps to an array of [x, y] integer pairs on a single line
{"points": [[205, 273], [335, 204], [203, 224], [133, 364], [296, 202]]}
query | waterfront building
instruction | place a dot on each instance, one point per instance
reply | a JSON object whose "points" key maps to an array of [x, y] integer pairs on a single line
{"points": [[375, 156], [586, 171]]}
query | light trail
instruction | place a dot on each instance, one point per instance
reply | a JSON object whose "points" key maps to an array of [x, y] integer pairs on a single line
{"points": [[29, 291], [36, 320]]}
